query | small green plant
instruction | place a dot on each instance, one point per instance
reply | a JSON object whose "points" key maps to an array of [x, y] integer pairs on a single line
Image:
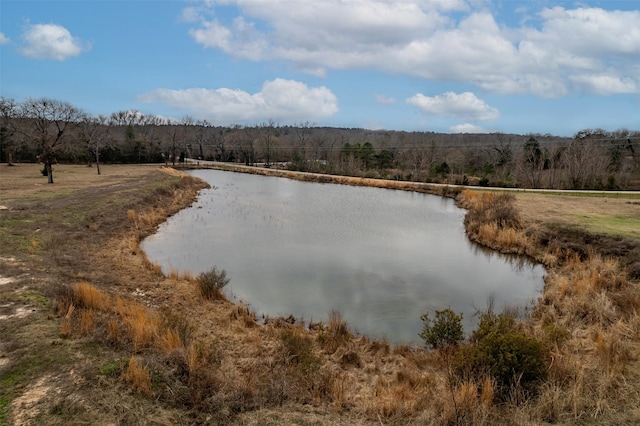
{"points": [[110, 368], [445, 330], [212, 282]]}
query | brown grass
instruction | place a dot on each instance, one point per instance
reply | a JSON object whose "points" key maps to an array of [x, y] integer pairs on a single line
{"points": [[138, 377], [337, 333], [87, 322], [177, 274], [171, 341], [89, 297]]}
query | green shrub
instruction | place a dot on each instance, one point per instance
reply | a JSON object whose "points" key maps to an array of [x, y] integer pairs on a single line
{"points": [[212, 282], [445, 330], [513, 359]]}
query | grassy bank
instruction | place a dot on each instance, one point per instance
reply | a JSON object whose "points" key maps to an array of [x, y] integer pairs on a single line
{"points": [[96, 334]]}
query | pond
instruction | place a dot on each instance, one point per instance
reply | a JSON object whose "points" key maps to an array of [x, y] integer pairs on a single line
{"points": [[379, 257]]}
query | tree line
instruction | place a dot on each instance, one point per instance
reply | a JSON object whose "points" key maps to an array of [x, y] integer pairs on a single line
{"points": [[50, 131]]}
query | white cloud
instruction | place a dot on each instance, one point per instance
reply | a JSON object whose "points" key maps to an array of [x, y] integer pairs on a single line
{"points": [[241, 40], [4, 39], [464, 105], [467, 128], [190, 14], [50, 41], [606, 84], [448, 40], [280, 100]]}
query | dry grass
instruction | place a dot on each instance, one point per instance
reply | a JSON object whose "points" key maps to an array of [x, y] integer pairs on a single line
{"points": [[138, 377], [171, 341], [89, 297], [337, 333], [177, 274]]}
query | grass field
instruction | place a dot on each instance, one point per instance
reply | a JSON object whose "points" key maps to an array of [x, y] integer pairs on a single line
{"points": [[616, 215]]}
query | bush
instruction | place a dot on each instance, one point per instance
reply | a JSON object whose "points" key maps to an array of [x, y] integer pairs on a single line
{"points": [[445, 330], [212, 282], [509, 356]]}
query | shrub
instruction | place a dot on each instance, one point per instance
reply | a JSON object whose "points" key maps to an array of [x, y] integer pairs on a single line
{"points": [[212, 282], [444, 330], [509, 356]]}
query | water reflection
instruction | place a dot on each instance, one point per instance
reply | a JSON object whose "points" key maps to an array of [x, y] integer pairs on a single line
{"points": [[382, 258]]}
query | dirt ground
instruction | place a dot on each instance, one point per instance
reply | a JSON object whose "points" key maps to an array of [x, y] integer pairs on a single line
{"points": [[52, 235]]}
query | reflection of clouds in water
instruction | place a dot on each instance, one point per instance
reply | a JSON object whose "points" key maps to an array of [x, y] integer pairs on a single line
{"points": [[382, 258]]}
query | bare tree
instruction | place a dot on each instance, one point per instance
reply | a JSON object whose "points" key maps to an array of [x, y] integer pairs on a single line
{"points": [[243, 138], [48, 125], [302, 133], [95, 131], [217, 138], [200, 136], [147, 126], [8, 112], [502, 156], [586, 160], [174, 131], [533, 162], [268, 139], [130, 120]]}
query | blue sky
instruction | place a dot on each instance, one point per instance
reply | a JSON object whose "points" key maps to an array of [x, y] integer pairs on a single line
{"points": [[536, 66]]}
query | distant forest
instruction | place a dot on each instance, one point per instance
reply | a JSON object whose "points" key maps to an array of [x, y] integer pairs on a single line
{"points": [[49, 131]]}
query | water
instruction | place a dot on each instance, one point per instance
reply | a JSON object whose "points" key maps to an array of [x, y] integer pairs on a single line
{"points": [[380, 257]]}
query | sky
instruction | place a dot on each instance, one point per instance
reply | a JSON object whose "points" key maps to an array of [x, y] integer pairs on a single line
{"points": [[452, 66]]}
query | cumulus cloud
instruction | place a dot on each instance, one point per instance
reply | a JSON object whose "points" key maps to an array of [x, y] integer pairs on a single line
{"points": [[51, 41], [4, 39], [464, 105], [280, 100], [451, 40]]}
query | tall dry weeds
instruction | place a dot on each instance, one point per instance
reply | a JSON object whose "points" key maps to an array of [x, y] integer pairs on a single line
{"points": [[138, 377]]}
